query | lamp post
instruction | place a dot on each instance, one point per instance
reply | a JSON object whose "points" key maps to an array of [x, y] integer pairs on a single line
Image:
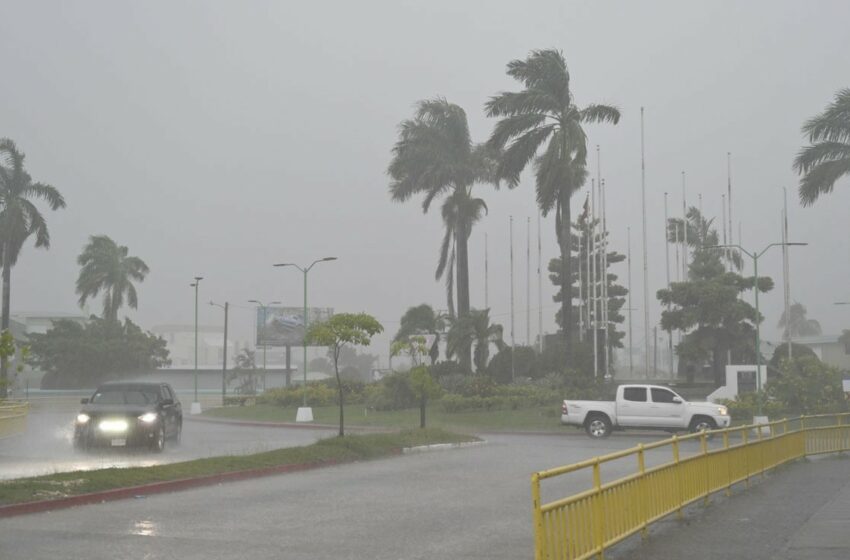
{"points": [[196, 405], [264, 307], [755, 257], [305, 414], [224, 357]]}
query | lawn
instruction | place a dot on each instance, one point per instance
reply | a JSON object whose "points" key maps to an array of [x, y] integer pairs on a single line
{"points": [[330, 450], [543, 418]]}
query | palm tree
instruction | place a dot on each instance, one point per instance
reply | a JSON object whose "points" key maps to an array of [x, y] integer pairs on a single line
{"points": [[545, 112], [19, 219], [796, 324], [422, 320], [475, 330], [435, 157], [105, 266], [827, 159]]}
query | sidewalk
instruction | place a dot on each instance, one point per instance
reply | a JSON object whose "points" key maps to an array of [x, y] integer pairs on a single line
{"points": [[799, 512]]}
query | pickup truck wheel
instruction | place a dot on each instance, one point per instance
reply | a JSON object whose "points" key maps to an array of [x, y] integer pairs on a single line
{"points": [[702, 424], [598, 427]]}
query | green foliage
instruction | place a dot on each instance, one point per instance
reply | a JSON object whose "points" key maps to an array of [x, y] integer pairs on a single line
{"points": [[422, 320], [508, 397], [808, 386], [446, 368], [475, 331], [827, 158], [797, 324], [797, 351], [525, 365], [745, 406], [9, 349], [105, 266], [319, 393], [423, 385], [542, 124], [413, 346], [20, 219], [708, 307], [76, 356]]}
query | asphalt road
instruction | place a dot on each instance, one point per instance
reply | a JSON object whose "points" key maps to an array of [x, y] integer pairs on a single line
{"points": [[46, 446], [467, 503]]}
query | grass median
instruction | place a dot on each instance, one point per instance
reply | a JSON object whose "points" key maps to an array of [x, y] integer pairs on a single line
{"points": [[332, 450], [529, 419]]}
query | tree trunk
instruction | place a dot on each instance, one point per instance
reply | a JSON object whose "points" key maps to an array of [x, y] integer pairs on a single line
{"points": [[339, 390], [4, 325], [462, 275], [565, 242], [422, 412]]}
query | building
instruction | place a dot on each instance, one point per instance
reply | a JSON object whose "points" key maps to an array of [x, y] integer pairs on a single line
{"points": [[828, 349], [180, 340], [40, 323]]}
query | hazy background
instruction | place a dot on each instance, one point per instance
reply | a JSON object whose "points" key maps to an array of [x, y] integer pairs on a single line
{"points": [[216, 138]]}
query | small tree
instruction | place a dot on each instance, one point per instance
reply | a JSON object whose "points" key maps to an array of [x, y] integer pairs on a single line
{"points": [[8, 349], [355, 329], [425, 388]]}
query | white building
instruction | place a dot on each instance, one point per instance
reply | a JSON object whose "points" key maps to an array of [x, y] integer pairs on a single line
{"points": [[180, 340]]}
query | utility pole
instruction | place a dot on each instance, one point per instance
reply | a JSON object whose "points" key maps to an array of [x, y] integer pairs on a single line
{"points": [[645, 258], [594, 320], [540, 285], [528, 282], [684, 232], [513, 340], [786, 271], [667, 271], [196, 405]]}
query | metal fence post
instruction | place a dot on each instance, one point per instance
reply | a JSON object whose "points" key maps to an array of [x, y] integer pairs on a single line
{"points": [[537, 516], [745, 435], [678, 471], [728, 463], [703, 442], [598, 533], [644, 495]]}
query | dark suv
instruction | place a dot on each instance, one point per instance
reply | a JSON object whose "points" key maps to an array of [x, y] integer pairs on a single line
{"points": [[129, 414]]}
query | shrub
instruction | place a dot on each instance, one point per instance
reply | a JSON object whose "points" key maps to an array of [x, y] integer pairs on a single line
{"points": [[808, 386], [393, 392], [525, 365]]}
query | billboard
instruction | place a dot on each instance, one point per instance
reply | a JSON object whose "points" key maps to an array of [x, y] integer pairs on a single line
{"points": [[284, 326]]}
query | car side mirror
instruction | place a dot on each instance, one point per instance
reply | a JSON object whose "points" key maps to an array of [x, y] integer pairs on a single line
{"points": [[677, 400], [84, 401], [166, 402]]}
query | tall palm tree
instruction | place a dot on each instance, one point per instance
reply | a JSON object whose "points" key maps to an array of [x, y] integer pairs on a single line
{"points": [[475, 330], [435, 157], [106, 267], [544, 113], [421, 320], [19, 219], [827, 159]]}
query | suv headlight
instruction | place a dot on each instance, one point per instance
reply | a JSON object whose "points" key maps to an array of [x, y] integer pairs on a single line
{"points": [[148, 417], [722, 411], [82, 418]]}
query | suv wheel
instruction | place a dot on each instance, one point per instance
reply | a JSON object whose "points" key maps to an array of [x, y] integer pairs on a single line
{"points": [[598, 426], [158, 443]]}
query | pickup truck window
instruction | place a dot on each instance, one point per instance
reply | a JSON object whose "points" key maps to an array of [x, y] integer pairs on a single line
{"points": [[637, 394], [662, 396]]}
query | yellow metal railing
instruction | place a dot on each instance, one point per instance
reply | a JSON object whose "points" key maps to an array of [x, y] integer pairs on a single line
{"points": [[13, 418], [586, 524]]}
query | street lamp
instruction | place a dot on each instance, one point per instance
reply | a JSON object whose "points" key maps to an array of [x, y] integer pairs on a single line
{"points": [[224, 359], [755, 257], [305, 414], [196, 405], [264, 307]]}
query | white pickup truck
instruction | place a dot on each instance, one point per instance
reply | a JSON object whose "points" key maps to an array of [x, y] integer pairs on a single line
{"points": [[647, 407]]}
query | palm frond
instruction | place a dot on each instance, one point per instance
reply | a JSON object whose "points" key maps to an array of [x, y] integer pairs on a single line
{"points": [[814, 155], [521, 151], [821, 180], [833, 125], [600, 114]]}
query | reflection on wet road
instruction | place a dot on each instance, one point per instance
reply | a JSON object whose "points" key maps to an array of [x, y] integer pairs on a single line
{"points": [[46, 446]]}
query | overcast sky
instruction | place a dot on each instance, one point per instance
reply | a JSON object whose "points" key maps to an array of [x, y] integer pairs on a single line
{"points": [[217, 138]]}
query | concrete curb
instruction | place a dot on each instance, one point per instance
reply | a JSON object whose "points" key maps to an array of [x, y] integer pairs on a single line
{"points": [[161, 487], [442, 447]]}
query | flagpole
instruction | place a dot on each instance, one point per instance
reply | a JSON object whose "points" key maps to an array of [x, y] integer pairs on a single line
{"points": [[528, 281], [595, 318], [629, 268], [486, 276], [580, 281], [588, 248], [667, 271], [513, 340], [605, 318], [684, 232], [645, 257], [540, 286]]}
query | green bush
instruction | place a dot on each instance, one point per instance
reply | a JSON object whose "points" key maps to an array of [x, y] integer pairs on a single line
{"points": [[393, 392], [468, 385], [806, 385], [745, 406]]}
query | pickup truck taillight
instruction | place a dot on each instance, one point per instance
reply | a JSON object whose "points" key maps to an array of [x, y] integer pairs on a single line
{"points": [[564, 408]]}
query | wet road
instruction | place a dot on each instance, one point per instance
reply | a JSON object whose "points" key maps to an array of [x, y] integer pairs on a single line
{"points": [[46, 446]]}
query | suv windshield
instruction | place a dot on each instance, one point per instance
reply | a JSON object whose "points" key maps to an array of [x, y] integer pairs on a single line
{"points": [[125, 396]]}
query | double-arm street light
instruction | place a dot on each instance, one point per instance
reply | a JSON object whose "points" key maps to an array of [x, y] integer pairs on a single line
{"points": [[305, 270], [224, 358], [264, 307], [755, 256], [196, 405]]}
